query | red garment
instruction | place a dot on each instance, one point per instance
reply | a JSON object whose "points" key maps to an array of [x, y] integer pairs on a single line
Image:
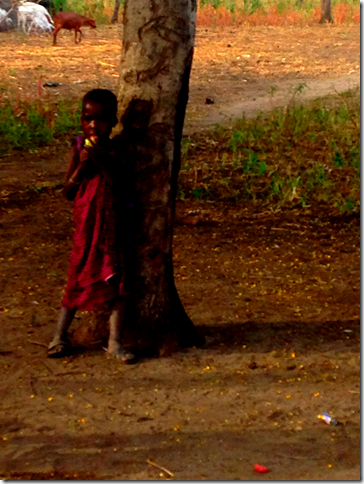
{"points": [[95, 257]]}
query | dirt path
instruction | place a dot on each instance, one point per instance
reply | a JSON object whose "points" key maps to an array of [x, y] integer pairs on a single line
{"points": [[278, 299], [253, 99]]}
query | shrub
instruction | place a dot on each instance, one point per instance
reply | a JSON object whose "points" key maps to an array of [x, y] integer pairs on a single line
{"points": [[29, 125]]}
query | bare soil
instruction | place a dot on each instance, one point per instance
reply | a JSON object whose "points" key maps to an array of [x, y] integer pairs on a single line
{"points": [[276, 294]]}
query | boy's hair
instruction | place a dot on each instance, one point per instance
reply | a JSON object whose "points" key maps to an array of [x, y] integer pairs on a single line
{"points": [[104, 97]]}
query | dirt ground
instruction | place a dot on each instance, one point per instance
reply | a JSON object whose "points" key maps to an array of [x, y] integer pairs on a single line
{"points": [[276, 294]]}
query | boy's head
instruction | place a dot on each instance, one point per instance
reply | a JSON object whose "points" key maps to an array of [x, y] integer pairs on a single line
{"points": [[99, 110]]}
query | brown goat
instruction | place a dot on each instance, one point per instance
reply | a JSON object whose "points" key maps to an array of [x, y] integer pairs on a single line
{"points": [[69, 21]]}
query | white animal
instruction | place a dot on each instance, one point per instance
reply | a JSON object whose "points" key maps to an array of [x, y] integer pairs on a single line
{"points": [[31, 15], [23, 16], [40, 23], [4, 17]]}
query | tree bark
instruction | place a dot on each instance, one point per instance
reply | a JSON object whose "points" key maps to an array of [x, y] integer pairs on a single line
{"points": [[157, 53], [115, 15], [326, 15]]}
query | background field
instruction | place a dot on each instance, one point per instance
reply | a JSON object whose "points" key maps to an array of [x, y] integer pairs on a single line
{"points": [[228, 12]]}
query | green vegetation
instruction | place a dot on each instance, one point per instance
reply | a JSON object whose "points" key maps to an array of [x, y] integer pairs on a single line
{"points": [[60, 5], [250, 6], [29, 125], [100, 10], [266, 12], [220, 13], [299, 155]]}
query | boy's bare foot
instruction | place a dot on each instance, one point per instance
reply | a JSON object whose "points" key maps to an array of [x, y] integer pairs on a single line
{"points": [[59, 347], [119, 352]]}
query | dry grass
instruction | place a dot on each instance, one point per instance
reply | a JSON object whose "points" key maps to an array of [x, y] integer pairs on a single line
{"points": [[221, 17]]}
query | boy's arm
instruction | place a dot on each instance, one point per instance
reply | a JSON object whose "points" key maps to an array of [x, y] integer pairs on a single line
{"points": [[108, 162], [75, 172]]}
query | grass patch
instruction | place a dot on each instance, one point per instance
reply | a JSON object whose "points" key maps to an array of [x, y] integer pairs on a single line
{"points": [[229, 12], [28, 125], [269, 12], [100, 10], [300, 155]]}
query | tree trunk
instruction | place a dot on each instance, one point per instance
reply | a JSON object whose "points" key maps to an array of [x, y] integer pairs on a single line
{"points": [[153, 92], [326, 15], [115, 15]]}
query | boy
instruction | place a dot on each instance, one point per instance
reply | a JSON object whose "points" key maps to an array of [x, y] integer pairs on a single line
{"points": [[96, 275]]}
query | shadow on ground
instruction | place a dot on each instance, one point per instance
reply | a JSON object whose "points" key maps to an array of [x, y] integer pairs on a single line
{"points": [[266, 337]]}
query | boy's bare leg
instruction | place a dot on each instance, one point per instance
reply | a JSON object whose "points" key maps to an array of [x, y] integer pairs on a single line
{"points": [[60, 336], [114, 346]]}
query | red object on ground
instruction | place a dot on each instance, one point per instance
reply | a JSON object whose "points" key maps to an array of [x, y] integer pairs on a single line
{"points": [[261, 469]]}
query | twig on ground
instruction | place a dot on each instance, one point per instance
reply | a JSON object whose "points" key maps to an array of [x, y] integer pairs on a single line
{"points": [[32, 387], [297, 457], [160, 467], [48, 369], [76, 372], [37, 343], [287, 229]]}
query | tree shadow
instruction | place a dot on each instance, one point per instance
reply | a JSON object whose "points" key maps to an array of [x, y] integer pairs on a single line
{"points": [[261, 337]]}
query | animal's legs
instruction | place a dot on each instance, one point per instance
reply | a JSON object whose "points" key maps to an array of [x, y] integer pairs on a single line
{"points": [[30, 26], [22, 21], [55, 35], [79, 37]]}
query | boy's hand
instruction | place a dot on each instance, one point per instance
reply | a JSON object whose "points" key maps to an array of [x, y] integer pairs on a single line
{"points": [[91, 152], [84, 158], [90, 142], [96, 153]]}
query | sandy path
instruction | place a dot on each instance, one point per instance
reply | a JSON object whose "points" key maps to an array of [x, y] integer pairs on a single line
{"points": [[258, 99]]}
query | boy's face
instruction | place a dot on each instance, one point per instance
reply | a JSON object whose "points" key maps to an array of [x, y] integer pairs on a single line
{"points": [[97, 120]]}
